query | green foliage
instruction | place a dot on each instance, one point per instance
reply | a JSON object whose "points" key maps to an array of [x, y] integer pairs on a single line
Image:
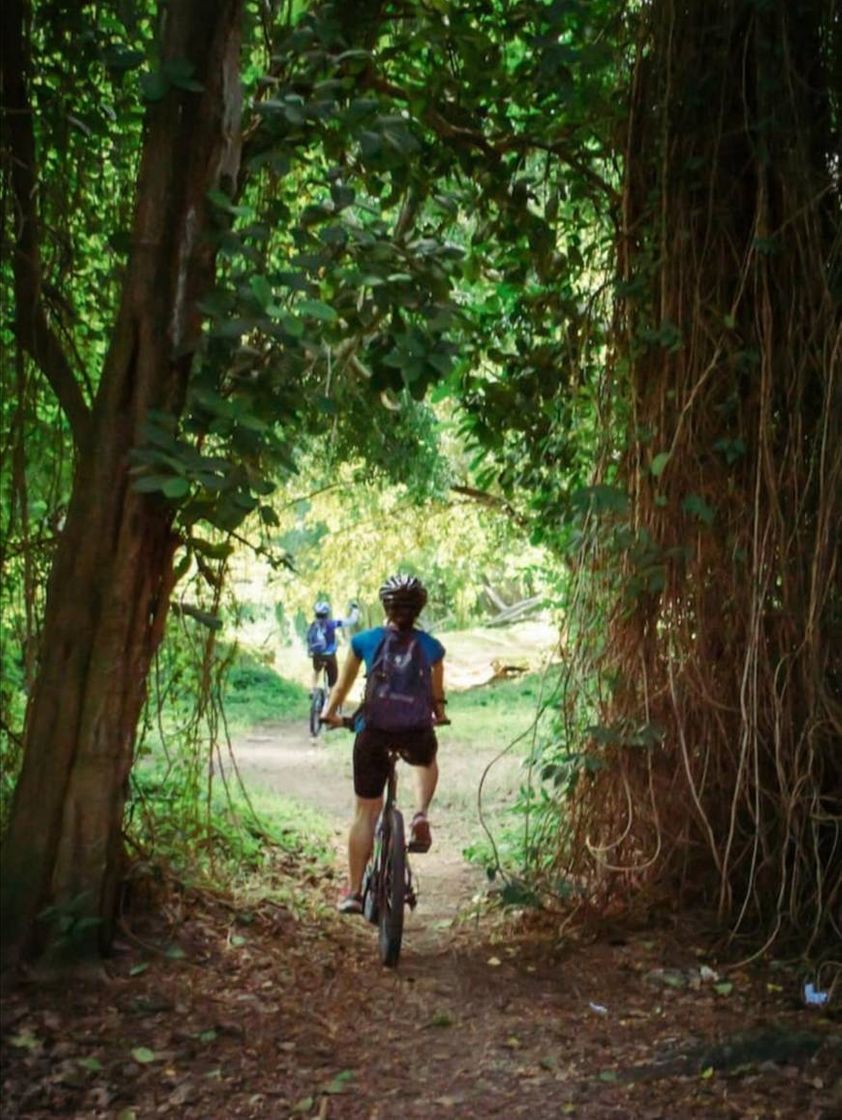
{"points": [[71, 922], [12, 707], [521, 815], [254, 693], [506, 709], [420, 212], [348, 535], [240, 841], [395, 228]]}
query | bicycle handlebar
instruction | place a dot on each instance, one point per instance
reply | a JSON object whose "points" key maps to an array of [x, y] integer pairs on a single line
{"points": [[348, 723]]}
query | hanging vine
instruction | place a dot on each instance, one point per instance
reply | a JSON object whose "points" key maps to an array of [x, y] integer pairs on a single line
{"points": [[715, 774]]}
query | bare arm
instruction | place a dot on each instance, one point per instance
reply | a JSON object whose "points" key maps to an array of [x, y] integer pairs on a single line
{"points": [[341, 689], [437, 683]]}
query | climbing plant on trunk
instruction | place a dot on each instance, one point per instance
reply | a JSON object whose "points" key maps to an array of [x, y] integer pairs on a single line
{"points": [[714, 772], [112, 574]]}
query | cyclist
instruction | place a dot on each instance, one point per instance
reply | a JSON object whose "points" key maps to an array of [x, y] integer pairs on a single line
{"points": [[321, 640], [403, 598]]}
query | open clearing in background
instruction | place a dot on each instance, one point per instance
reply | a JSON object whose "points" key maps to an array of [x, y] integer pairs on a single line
{"points": [[472, 655], [490, 734], [279, 761], [492, 713]]}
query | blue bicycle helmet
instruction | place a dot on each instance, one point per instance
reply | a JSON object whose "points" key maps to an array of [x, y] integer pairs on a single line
{"points": [[321, 609]]}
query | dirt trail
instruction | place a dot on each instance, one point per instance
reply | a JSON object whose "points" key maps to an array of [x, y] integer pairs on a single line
{"points": [[215, 1010], [284, 759]]}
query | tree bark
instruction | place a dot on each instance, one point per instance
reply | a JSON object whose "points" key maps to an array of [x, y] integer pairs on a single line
{"points": [[109, 588]]}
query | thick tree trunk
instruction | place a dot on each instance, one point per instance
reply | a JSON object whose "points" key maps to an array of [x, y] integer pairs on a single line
{"points": [[110, 585], [724, 640]]}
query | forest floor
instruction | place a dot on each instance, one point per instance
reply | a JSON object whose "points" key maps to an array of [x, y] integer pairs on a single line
{"points": [[212, 1009]]}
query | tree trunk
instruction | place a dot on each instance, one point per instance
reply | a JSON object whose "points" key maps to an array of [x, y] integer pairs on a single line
{"points": [[723, 646], [109, 587]]}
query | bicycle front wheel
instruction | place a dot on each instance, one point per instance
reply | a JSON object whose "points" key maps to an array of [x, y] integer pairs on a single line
{"points": [[317, 704], [392, 892]]}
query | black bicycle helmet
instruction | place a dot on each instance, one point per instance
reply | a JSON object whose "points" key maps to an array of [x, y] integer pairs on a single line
{"points": [[403, 591]]}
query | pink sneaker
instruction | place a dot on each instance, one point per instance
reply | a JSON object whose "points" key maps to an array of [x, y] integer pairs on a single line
{"points": [[420, 838]]}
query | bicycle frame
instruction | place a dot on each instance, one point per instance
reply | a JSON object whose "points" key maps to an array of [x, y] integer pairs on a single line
{"points": [[387, 883], [317, 702]]}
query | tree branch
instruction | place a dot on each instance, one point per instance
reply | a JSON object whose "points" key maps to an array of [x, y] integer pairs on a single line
{"points": [[33, 330], [495, 147], [492, 502]]}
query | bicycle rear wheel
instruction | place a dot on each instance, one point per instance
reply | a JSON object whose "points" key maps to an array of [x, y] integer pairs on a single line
{"points": [[392, 892], [317, 703]]}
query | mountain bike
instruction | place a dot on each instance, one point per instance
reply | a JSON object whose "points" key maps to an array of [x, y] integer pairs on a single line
{"points": [[387, 881], [317, 702]]}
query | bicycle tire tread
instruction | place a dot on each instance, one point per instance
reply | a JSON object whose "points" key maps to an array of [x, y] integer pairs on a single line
{"points": [[393, 887]]}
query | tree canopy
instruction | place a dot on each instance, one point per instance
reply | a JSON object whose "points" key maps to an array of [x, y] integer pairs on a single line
{"points": [[240, 238]]}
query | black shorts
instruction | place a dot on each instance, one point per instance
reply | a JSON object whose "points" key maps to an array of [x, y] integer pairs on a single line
{"points": [[371, 756], [328, 661]]}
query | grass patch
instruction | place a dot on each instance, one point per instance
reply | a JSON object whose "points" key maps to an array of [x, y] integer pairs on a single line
{"points": [[260, 845], [496, 712], [254, 693]]}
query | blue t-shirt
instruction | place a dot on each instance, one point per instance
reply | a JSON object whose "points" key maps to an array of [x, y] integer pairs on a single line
{"points": [[365, 646], [366, 642]]}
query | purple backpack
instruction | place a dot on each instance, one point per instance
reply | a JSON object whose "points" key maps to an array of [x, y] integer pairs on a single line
{"points": [[398, 688]]}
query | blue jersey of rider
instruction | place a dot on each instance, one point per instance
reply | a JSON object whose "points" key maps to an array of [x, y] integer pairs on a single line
{"points": [[365, 645], [331, 625]]}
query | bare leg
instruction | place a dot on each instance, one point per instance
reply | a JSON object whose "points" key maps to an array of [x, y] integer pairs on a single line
{"points": [[426, 780], [361, 839]]}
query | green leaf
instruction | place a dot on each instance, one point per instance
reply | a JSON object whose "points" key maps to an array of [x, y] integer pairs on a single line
{"points": [[151, 483], [732, 449], [601, 499], [215, 303], [339, 1083], [143, 1055], [120, 241], [220, 199], [153, 85], [176, 487], [656, 467], [137, 969], [262, 291], [180, 73], [26, 1040], [120, 58], [93, 1064], [294, 327], [317, 309], [724, 988], [696, 505]]}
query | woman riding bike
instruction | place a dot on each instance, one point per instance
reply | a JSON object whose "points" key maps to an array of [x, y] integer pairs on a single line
{"points": [[403, 598]]}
